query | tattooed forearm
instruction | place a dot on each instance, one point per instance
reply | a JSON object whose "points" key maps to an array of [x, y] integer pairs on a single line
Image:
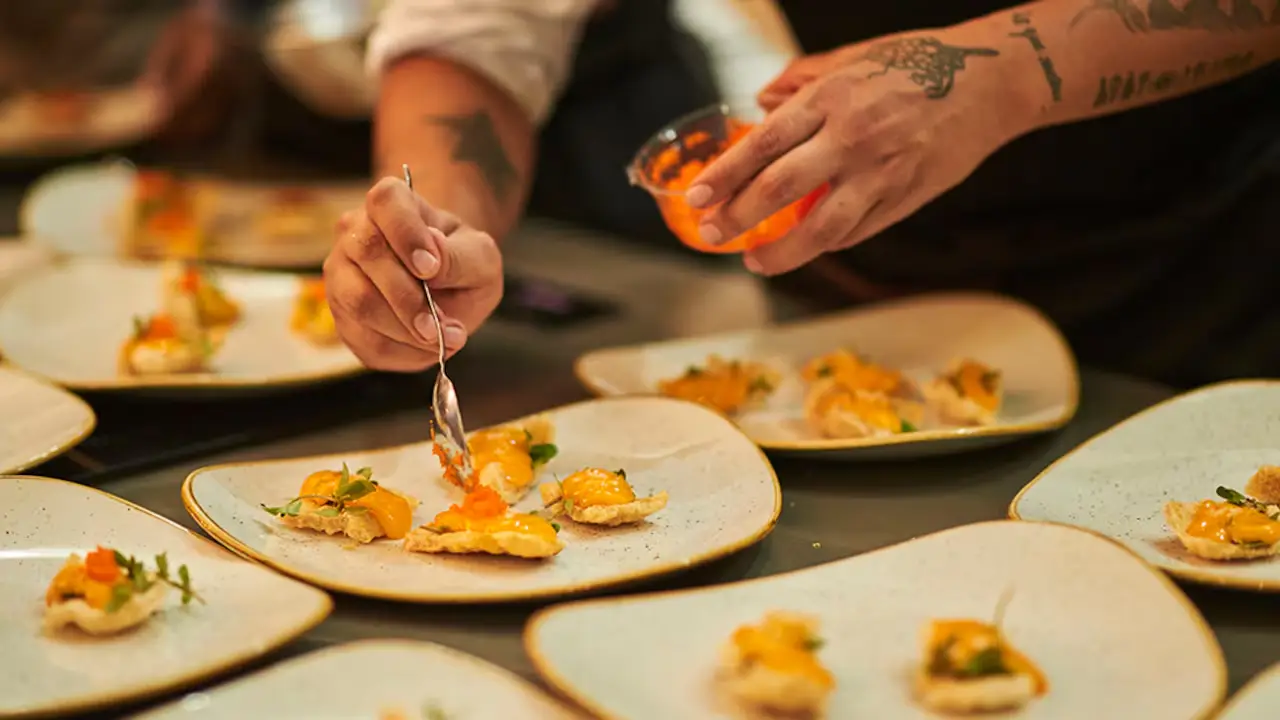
{"points": [[477, 142], [1132, 86], [931, 64], [1209, 15], [1051, 75]]}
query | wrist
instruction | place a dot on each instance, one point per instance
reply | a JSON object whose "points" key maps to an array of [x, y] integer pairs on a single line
{"points": [[1011, 86]]}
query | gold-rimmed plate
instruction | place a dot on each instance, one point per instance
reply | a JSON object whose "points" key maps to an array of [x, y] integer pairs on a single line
{"points": [[724, 496], [417, 679], [248, 610], [1118, 482], [1113, 637], [919, 336], [39, 421], [1257, 700], [67, 322]]}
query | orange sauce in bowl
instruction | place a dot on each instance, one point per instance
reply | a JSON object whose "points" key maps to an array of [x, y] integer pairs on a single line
{"points": [[677, 172]]}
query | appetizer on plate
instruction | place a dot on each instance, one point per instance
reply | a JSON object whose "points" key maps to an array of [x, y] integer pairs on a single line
{"points": [[215, 310], [162, 218], [291, 214], [728, 386], [484, 523], [850, 397], [340, 502], [595, 496], [970, 667], [1236, 528], [164, 345], [1264, 486], [774, 666], [968, 393], [312, 318], [107, 592], [504, 459]]}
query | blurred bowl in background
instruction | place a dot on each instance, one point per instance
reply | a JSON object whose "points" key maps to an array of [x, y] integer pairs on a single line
{"points": [[316, 48], [670, 160]]}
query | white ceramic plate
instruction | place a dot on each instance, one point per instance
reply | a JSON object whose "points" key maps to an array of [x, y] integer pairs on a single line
{"points": [[19, 258], [1257, 700], [1114, 638], [79, 210], [919, 336], [375, 676], [1118, 482], [724, 497], [250, 611], [66, 323], [38, 422]]}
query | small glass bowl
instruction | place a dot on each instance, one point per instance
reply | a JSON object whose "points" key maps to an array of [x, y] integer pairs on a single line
{"points": [[676, 154]]}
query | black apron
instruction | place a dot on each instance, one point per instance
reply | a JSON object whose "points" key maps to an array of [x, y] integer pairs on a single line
{"points": [[1151, 237]]}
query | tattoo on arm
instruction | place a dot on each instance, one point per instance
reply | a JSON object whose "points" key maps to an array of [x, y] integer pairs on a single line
{"points": [[1120, 88], [476, 141], [1051, 75], [931, 64], [1192, 15]]}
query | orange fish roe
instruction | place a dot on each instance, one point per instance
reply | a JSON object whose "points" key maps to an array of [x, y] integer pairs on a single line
{"points": [[673, 173]]}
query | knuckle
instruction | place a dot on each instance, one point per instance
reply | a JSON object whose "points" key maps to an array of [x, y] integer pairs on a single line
{"points": [[352, 300], [345, 222], [768, 139], [382, 193], [408, 299], [776, 187], [364, 244]]}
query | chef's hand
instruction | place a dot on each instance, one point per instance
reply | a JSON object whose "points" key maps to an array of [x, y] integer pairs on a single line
{"points": [[373, 278], [890, 124]]}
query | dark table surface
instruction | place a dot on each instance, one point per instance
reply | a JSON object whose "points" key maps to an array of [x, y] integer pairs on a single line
{"points": [[831, 510]]}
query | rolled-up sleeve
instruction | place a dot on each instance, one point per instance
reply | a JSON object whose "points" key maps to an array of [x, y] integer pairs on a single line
{"points": [[526, 47]]}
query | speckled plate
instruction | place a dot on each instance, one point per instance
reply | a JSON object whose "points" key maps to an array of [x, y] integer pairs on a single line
{"points": [[1257, 700], [249, 612], [724, 497], [415, 678], [79, 210], [918, 335], [1118, 482], [1114, 638], [38, 421], [66, 323], [19, 258]]}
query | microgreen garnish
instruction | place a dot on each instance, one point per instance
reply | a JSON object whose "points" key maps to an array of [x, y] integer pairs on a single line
{"points": [[139, 327], [814, 643], [567, 503], [542, 453], [987, 661], [138, 580], [825, 371], [1239, 499], [760, 385], [908, 427], [692, 371], [351, 487], [555, 526]]}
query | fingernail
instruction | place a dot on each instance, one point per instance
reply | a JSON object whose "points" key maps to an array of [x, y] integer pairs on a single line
{"points": [[753, 265], [455, 336], [425, 326], [698, 195], [710, 234], [425, 264]]}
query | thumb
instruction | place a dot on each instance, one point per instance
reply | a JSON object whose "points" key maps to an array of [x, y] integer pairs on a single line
{"points": [[469, 259]]}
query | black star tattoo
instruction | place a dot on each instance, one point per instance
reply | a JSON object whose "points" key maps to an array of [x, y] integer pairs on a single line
{"points": [[933, 65], [476, 142]]}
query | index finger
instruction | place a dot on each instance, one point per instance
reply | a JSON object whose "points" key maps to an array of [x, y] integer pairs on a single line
{"points": [[404, 219], [768, 141]]}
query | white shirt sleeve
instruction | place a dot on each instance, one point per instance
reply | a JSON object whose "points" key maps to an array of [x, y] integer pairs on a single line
{"points": [[526, 47]]}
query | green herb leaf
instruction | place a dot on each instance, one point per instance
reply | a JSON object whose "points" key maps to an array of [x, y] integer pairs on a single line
{"points": [[541, 454], [825, 371], [1233, 496], [908, 427], [162, 566], [139, 327], [813, 644], [331, 511], [120, 595], [567, 503], [291, 509], [354, 490], [692, 371], [760, 385], [985, 662], [555, 526]]}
